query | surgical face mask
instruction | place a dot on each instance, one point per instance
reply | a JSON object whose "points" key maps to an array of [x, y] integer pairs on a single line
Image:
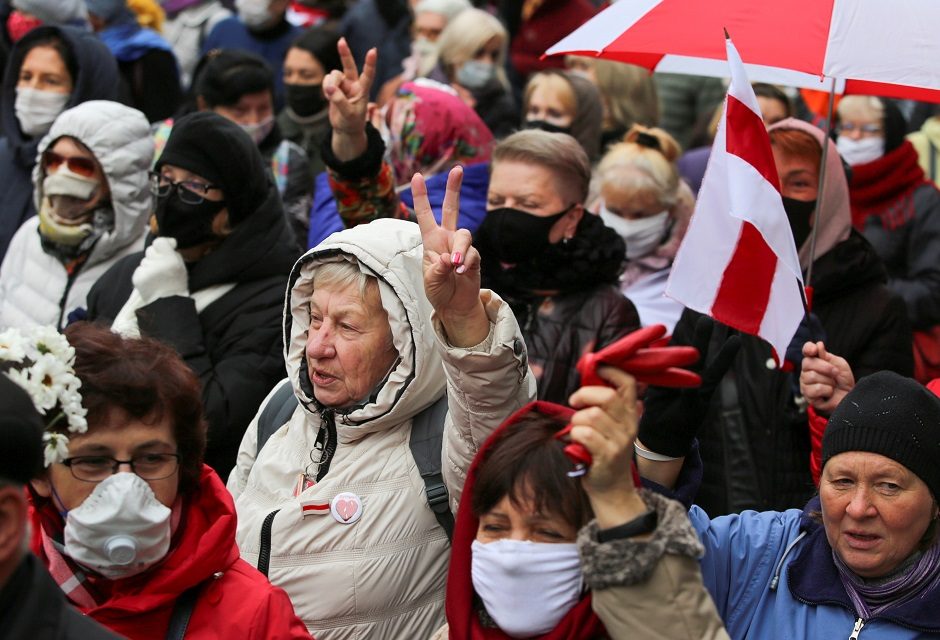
{"points": [[526, 587], [861, 151], [36, 110], [517, 236], [642, 235], [120, 530], [475, 74], [64, 212], [426, 53], [260, 130], [189, 224], [255, 14]]}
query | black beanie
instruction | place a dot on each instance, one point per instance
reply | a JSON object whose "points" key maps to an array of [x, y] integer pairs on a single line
{"points": [[894, 416], [217, 149], [21, 429]]}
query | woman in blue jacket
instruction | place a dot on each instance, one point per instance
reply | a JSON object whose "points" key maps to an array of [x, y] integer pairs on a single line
{"points": [[862, 559]]}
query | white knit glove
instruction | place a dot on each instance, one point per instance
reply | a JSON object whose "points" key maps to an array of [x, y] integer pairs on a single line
{"points": [[162, 272]]}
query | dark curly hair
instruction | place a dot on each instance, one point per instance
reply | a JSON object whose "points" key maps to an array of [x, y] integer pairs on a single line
{"points": [[145, 379]]}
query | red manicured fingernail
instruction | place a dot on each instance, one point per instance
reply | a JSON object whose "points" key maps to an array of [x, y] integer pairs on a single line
{"points": [[456, 257]]}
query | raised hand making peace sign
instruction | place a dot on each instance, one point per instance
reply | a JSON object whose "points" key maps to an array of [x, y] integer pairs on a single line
{"points": [[348, 93], [451, 265]]}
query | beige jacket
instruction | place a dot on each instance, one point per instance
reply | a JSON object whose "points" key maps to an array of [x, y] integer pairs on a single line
{"points": [[383, 576]]}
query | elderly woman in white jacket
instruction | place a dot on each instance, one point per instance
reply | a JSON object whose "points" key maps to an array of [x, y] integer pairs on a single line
{"points": [[91, 192], [333, 504]]}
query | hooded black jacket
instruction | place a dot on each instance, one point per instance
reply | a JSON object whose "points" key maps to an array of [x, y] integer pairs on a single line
{"points": [[234, 345], [96, 78], [755, 443]]}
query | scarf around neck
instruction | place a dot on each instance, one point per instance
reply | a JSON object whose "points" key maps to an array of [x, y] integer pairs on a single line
{"points": [[885, 188], [872, 599]]}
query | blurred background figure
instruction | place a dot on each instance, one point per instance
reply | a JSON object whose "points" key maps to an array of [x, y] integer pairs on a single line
{"points": [[305, 118], [686, 101], [31, 604], [211, 284], [51, 69], [260, 27], [565, 102], [188, 24], [134, 528], [92, 194], [926, 141], [151, 79], [471, 56], [628, 94], [240, 86], [894, 205], [384, 24], [643, 199]]}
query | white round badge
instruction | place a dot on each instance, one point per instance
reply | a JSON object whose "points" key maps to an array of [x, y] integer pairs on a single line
{"points": [[346, 508]]}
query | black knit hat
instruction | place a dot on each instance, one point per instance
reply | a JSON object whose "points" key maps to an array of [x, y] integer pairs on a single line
{"points": [[21, 429], [893, 416], [217, 149]]}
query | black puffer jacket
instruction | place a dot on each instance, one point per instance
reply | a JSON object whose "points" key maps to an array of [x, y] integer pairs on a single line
{"points": [[96, 78], [235, 344], [587, 312], [755, 444]]}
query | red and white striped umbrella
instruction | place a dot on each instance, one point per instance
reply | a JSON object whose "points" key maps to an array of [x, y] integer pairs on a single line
{"points": [[877, 47]]}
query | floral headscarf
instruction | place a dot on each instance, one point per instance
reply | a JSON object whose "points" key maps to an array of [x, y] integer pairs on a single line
{"points": [[430, 130]]}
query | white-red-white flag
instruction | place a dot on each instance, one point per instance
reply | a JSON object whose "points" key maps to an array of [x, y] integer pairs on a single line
{"points": [[738, 261]]}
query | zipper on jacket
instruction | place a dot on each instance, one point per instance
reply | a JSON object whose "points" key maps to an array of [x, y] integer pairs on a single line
{"points": [[72, 277], [786, 552], [859, 623], [329, 446]]}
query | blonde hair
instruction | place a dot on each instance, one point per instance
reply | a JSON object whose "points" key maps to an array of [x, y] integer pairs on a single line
{"points": [[465, 35], [557, 152], [552, 82], [640, 168], [868, 105], [628, 91]]}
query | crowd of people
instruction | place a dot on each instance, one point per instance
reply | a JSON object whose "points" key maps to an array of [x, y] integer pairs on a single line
{"points": [[297, 307]]}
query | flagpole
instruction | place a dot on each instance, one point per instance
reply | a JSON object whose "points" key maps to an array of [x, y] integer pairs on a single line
{"points": [[822, 182]]}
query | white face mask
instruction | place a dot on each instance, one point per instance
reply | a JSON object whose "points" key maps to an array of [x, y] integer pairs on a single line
{"points": [[526, 587], [260, 130], [120, 530], [861, 151], [254, 13], [65, 197], [426, 53], [475, 74], [641, 235], [36, 110]]}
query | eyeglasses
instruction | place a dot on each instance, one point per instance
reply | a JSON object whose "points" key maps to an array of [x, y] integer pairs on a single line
{"points": [[864, 129], [149, 466], [51, 161], [192, 191]]}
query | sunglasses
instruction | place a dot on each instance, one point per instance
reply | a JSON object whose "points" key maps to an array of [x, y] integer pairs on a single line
{"points": [[85, 167]]}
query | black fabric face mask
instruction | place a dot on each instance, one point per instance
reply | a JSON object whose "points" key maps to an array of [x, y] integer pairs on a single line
{"points": [[546, 126], [189, 224], [305, 99], [798, 213], [516, 236]]}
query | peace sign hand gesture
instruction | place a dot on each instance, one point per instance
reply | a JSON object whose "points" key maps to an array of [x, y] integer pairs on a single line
{"points": [[451, 265], [348, 93]]}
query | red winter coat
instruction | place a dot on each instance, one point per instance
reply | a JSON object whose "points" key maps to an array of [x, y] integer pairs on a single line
{"points": [[238, 603]]}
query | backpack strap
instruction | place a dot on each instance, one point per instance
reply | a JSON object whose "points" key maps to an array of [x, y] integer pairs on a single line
{"points": [[427, 440], [276, 413], [182, 612]]}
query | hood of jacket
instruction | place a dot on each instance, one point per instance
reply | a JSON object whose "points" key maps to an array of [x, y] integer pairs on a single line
{"points": [[835, 213], [96, 78], [461, 606], [119, 138], [392, 252]]}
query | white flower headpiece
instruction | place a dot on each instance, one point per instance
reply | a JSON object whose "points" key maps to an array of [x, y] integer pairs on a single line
{"points": [[41, 361]]}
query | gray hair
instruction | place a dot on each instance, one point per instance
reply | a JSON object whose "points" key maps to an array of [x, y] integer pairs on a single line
{"points": [[558, 152], [450, 9], [345, 273]]}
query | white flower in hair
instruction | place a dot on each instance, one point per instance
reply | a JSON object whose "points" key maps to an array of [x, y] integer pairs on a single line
{"points": [[41, 361]]}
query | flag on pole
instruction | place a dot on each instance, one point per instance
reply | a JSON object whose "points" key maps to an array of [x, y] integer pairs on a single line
{"points": [[738, 262]]}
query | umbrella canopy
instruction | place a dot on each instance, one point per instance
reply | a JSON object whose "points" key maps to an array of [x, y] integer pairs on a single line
{"points": [[871, 47]]}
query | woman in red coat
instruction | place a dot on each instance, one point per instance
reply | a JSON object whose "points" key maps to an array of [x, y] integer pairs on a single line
{"points": [[135, 529]]}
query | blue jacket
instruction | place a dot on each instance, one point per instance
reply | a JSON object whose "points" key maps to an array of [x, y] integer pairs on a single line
{"points": [[96, 79], [746, 553], [324, 218]]}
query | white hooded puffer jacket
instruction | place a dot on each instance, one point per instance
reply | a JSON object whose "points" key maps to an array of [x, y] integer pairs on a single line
{"points": [[382, 577], [35, 287]]}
